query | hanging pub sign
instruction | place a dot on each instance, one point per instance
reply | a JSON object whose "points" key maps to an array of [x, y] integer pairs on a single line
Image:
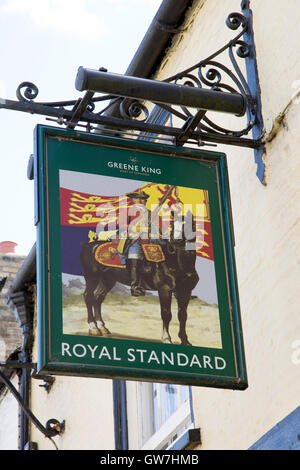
{"points": [[136, 274]]}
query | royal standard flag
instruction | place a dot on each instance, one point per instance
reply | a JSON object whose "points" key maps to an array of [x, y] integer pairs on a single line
{"points": [[89, 217]]}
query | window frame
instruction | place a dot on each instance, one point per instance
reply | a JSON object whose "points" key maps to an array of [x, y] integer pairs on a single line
{"points": [[180, 419], [142, 419]]}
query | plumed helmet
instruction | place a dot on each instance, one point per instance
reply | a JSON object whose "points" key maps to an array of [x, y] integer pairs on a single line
{"points": [[140, 195]]}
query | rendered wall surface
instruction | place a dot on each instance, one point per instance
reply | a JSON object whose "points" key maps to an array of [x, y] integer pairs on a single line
{"points": [[266, 224], [9, 416], [86, 407]]}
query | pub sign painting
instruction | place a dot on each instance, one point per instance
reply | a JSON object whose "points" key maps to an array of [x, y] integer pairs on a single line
{"points": [[136, 274]]}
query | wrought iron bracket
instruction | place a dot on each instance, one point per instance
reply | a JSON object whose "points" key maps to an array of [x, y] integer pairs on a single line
{"points": [[48, 380], [129, 115], [52, 428]]}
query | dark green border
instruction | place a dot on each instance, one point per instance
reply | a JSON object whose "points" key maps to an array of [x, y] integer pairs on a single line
{"points": [[61, 149]]}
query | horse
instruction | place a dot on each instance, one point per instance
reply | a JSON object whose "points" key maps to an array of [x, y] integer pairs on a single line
{"points": [[176, 275]]}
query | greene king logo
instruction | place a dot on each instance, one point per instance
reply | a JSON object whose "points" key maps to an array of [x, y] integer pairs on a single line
{"points": [[133, 166]]}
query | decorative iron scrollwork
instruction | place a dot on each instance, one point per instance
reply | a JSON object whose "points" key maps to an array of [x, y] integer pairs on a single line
{"points": [[134, 110], [125, 115], [235, 20], [213, 74], [210, 73], [218, 77], [30, 93]]}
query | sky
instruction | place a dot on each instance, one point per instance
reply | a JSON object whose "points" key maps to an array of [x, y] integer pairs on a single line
{"points": [[45, 42]]}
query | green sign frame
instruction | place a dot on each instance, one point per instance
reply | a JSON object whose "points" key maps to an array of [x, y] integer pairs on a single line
{"points": [[217, 360]]}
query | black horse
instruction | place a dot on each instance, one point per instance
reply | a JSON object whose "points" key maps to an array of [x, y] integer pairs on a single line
{"points": [[176, 275]]}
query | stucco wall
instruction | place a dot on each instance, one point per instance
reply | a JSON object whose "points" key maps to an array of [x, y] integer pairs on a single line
{"points": [[266, 222], [9, 416], [86, 407]]}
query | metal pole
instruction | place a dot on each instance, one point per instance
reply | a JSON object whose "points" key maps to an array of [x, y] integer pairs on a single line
{"points": [[159, 92]]}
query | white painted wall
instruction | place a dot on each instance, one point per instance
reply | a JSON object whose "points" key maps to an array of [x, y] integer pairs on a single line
{"points": [[86, 406], [9, 417]]}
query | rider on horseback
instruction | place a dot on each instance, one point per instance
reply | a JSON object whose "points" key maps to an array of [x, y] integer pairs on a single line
{"points": [[138, 236]]}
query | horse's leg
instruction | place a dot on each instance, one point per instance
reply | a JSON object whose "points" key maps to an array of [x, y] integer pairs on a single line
{"points": [[98, 316], [165, 298], [89, 298], [183, 297], [100, 292]]}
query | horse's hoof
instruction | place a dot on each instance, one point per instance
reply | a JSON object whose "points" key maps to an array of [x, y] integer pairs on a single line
{"points": [[186, 343], [94, 332], [105, 331], [138, 292], [167, 340]]}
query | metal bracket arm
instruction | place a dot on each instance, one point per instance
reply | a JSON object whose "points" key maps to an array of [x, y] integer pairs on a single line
{"points": [[53, 426], [159, 92], [189, 127]]}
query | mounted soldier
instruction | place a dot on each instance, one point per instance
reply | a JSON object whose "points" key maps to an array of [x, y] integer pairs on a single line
{"points": [[140, 244], [144, 261]]}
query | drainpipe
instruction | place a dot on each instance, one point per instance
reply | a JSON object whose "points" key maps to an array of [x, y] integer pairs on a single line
{"points": [[19, 300], [164, 26]]}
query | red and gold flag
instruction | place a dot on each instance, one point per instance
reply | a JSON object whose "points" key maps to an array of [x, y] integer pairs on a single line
{"points": [[100, 215]]}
